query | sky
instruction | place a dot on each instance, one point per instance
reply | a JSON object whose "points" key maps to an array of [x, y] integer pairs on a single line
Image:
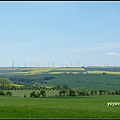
{"points": [[59, 34]]}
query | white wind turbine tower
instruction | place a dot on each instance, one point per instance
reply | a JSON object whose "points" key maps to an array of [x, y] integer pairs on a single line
{"points": [[18, 64], [25, 64], [13, 64]]}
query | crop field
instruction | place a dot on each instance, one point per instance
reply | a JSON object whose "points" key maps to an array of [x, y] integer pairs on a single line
{"points": [[101, 72], [88, 78], [39, 70], [27, 71], [66, 70], [88, 81], [52, 106], [112, 69], [59, 107], [70, 68]]}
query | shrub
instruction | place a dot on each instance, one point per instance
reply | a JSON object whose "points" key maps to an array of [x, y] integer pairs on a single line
{"points": [[87, 93], [83, 92], [25, 95], [117, 92], [2, 93], [9, 93], [110, 92], [102, 92], [62, 92], [56, 95], [65, 86], [72, 92], [33, 94], [93, 92], [38, 94], [104, 73], [42, 92], [58, 86]]}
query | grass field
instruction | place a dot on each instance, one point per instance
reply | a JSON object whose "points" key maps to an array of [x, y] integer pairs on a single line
{"points": [[88, 81], [16, 106], [64, 107]]}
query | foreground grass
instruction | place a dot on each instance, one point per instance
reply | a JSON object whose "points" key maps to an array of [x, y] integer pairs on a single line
{"points": [[64, 107]]}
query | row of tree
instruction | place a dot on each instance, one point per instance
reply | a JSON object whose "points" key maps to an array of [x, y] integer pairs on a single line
{"points": [[41, 78], [7, 93], [64, 89], [71, 92]]}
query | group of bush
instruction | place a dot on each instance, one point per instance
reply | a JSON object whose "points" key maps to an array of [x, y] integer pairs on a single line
{"points": [[70, 92], [34, 94], [7, 93]]}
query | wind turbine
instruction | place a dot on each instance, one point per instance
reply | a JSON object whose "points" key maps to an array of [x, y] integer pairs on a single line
{"points": [[25, 63], [53, 64], [13, 64], [18, 64]]}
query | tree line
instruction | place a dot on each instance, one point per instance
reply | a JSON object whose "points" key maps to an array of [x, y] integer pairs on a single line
{"points": [[64, 90]]}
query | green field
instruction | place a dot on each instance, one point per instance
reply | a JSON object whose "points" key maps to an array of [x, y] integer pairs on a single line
{"points": [[88, 81], [91, 78], [88, 78], [59, 107], [60, 70]]}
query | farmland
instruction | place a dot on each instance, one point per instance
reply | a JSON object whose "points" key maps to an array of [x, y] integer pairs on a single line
{"points": [[89, 77], [59, 107], [87, 81], [52, 106]]}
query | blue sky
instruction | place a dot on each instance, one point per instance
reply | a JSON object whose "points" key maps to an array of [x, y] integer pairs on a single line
{"points": [[84, 33]]}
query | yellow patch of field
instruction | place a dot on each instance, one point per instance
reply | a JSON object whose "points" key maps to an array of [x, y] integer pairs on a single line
{"points": [[48, 87], [70, 68], [19, 73], [54, 72], [74, 72], [39, 70], [96, 72], [9, 68], [101, 72], [16, 85], [113, 72]]}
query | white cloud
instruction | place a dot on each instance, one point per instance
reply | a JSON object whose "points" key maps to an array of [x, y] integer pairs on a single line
{"points": [[112, 53], [39, 55], [96, 47], [102, 46]]}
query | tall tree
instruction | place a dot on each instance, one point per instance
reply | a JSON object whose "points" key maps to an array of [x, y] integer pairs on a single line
{"points": [[58, 86], [4, 82], [36, 85], [65, 86]]}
